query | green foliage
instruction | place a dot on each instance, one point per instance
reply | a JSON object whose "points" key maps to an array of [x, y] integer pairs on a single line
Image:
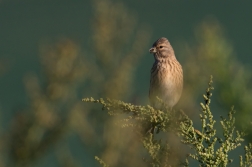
{"points": [[213, 53], [208, 149], [101, 162], [140, 114], [204, 142], [54, 113], [248, 156]]}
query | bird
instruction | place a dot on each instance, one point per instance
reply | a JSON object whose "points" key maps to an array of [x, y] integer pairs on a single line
{"points": [[166, 81]]}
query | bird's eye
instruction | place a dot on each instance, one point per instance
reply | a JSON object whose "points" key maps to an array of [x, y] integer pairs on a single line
{"points": [[160, 46]]}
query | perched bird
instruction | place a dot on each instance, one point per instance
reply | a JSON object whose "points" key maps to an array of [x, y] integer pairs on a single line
{"points": [[166, 80]]}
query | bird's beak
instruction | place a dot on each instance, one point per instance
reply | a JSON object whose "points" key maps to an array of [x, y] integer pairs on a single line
{"points": [[152, 50]]}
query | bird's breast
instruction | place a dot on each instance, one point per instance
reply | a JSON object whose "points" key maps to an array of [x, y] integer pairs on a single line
{"points": [[167, 82]]}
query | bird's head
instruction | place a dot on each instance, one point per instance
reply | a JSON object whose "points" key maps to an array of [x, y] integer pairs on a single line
{"points": [[162, 49]]}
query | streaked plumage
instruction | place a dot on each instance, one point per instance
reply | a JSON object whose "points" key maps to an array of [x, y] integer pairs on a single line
{"points": [[166, 75]]}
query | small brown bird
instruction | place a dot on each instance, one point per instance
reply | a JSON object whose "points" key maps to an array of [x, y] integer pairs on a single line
{"points": [[166, 75]]}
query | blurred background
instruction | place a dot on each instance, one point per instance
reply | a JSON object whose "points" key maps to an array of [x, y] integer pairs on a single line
{"points": [[54, 53]]}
